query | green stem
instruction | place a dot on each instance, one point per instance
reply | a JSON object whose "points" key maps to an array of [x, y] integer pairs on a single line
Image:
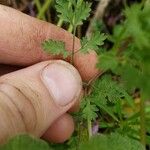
{"points": [[119, 38], [38, 5], [70, 28], [89, 128], [44, 8], [60, 23], [142, 122], [89, 124]]}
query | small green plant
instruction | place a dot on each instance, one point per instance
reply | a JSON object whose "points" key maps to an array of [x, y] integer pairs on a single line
{"points": [[115, 105], [74, 13], [128, 61]]}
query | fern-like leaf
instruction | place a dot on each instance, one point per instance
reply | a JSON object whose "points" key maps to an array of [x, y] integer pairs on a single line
{"points": [[73, 12], [97, 39], [55, 48]]}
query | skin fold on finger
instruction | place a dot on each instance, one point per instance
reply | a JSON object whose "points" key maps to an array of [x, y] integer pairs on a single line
{"points": [[4, 69], [61, 130], [21, 37], [26, 103]]}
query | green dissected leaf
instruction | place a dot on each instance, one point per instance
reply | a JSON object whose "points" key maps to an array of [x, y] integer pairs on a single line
{"points": [[118, 34], [81, 12], [108, 90], [113, 141], [25, 142], [108, 110], [72, 11], [107, 61], [64, 9], [133, 62], [97, 39], [130, 76], [106, 94], [129, 62], [55, 48], [137, 24], [88, 109]]}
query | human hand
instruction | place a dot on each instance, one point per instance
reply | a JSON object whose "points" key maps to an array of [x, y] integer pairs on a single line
{"points": [[36, 99]]}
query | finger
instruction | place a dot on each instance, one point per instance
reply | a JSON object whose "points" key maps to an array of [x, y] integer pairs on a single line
{"points": [[76, 106], [32, 99], [61, 130], [21, 37], [4, 69]]}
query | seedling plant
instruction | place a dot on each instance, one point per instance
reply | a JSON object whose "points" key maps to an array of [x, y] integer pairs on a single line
{"points": [[115, 109]]}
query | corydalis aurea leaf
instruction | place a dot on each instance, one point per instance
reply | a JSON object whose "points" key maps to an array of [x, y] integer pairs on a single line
{"points": [[72, 11], [55, 48], [97, 39]]}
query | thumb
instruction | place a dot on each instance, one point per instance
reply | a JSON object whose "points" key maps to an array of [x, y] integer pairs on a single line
{"points": [[33, 98]]}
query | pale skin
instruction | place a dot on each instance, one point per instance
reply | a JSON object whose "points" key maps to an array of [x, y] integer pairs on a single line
{"points": [[30, 100]]}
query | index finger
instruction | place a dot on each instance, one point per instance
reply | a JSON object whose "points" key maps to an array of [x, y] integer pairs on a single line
{"points": [[21, 37]]}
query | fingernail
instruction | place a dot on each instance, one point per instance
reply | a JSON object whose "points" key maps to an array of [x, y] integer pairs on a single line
{"points": [[62, 83]]}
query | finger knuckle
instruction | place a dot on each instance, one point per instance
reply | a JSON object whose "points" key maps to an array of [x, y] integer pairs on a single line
{"points": [[19, 107]]}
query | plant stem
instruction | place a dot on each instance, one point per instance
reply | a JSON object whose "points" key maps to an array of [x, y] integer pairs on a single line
{"points": [[38, 5], [142, 122], [73, 46], [60, 22], [117, 43], [89, 124], [44, 8], [89, 128], [70, 28]]}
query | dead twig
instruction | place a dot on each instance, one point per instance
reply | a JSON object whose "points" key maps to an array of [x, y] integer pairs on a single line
{"points": [[97, 15]]}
